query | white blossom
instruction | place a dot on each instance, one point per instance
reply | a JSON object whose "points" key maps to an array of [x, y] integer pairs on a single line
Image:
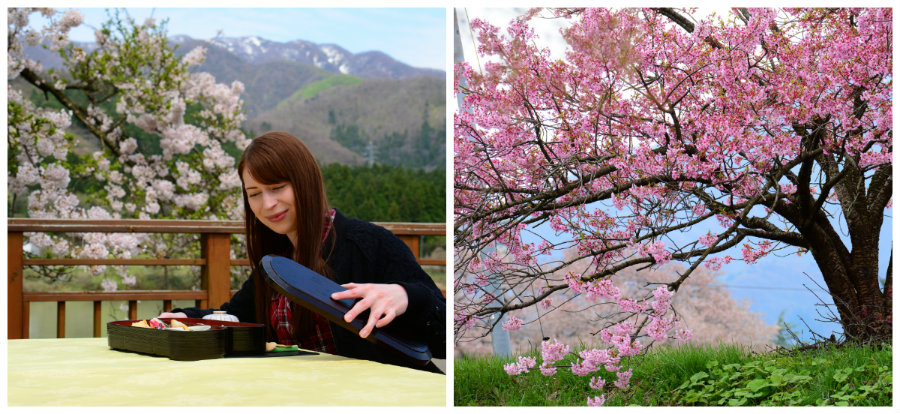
{"points": [[129, 280], [191, 201], [128, 146], [165, 190], [188, 176], [32, 37], [100, 38], [109, 285], [229, 180], [142, 175], [176, 113], [72, 18], [195, 57], [56, 175], [61, 248], [152, 207], [237, 88], [116, 177]]}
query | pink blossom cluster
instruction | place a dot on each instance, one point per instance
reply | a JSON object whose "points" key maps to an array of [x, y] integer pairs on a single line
{"points": [[683, 335], [751, 253], [597, 383], [461, 319], [708, 239], [552, 352], [656, 249], [633, 306], [623, 378], [512, 324], [521, 366], [595, 358], [603, 289], [596, 401], [620, 335], [663, 297], [715, 263], [658, 328], [488, 298], [547, 370]]}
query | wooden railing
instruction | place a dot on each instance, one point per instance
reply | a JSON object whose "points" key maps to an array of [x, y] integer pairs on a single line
{"points": [[215, 261]]}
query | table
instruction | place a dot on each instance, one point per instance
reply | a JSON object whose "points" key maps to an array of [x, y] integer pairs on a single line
{"points": [[86, 372]]}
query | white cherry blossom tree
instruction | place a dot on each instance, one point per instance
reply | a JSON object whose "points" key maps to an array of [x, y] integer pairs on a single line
{"points": [[162, 131]]}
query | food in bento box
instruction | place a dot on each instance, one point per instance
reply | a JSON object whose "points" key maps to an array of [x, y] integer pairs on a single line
{"points": [[141, 324], [276, 347], [152, 323], [158, 324]]}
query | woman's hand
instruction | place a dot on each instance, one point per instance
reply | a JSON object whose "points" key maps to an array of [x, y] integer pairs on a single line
{"points": [[172, 315], [384, 302]]}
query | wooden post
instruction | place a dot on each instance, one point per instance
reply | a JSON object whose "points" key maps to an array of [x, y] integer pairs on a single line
{"points": [[216, 276], [26, 319], [97, 318], [412, 241], [16, 322], [61, 319], [132, 309]]}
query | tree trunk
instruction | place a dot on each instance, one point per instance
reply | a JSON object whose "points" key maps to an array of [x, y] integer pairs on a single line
{"points": [[864, 309], [851, 273]]}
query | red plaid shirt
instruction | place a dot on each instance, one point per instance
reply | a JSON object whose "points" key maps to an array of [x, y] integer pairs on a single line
{"points": [[280, 314]]}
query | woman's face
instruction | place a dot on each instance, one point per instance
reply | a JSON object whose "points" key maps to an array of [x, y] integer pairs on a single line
{"points": [[273, 205]]}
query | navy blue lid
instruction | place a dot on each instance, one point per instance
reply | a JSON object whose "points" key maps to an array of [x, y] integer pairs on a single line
{"points": [[313, 291]]}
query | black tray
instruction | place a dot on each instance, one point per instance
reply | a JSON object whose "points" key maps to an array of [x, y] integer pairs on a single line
{"points": [[223, 338], [313, 291]]}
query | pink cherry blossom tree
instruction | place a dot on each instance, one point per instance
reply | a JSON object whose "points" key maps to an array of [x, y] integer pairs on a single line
{"points": [[770, 127], [132, 80], [703, 304]]}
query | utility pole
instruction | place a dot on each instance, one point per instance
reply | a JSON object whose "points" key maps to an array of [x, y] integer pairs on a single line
{"points": [[499, 337], [370, 154]]}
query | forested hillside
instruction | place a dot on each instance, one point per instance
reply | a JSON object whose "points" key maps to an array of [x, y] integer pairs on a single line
{"points": [[386, 193], [404, 119]]}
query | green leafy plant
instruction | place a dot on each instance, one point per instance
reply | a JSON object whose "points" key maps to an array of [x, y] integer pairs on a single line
{"points": [[787, 381]]}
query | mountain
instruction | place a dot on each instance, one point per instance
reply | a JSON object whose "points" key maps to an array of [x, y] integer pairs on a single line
{"points": [[337, 101], [404, 119], [271, 71], [329, 57], [266, 83]]}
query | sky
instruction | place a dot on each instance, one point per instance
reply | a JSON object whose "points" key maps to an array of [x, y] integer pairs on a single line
{"points": [[774, 284], [415, 36]]}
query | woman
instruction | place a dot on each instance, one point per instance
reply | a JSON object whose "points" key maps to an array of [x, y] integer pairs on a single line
{"points": [[286, 213]]}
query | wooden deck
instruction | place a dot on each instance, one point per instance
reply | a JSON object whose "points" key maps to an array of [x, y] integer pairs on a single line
{"points": [[215, 261]]}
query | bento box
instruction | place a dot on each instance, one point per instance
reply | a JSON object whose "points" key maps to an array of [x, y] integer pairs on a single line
{"points": [[222, 338]]}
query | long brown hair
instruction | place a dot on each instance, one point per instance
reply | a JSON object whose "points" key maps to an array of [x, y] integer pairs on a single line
{"points": [[272, 158]]}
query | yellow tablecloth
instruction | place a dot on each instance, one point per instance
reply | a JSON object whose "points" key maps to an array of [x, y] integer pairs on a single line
{"points": [[85, 371]]}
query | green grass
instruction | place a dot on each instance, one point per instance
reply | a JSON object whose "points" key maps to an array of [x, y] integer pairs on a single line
{"points": [[438, 274], [316, 88], [718, 376]]}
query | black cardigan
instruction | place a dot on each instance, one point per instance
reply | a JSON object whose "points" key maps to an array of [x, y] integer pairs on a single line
{"points": [[366, 253]]}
